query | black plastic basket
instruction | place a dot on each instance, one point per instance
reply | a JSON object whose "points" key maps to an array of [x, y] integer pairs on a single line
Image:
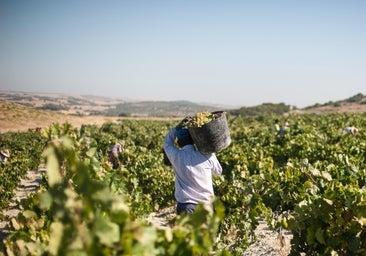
{"points": [[213, 136]]}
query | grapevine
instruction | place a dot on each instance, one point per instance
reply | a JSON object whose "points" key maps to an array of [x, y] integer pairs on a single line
{"points": [[311, 182]]}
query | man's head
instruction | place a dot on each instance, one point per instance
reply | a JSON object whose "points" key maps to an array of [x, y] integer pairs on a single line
{"points": [[184, 137]]}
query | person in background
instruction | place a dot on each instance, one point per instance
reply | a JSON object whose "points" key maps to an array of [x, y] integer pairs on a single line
{"points": [[281, 130], [351, 130], [4, 155], [114, 152], [193, 170], [277, 126]]}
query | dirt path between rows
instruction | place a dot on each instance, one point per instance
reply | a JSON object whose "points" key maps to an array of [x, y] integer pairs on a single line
{"points": [[27, 185], [270, 242]]}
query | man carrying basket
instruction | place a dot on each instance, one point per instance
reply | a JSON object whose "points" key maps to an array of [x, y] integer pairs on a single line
{"points": [[193, 170]]}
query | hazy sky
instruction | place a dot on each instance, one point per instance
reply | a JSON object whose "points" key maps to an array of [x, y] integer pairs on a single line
{"points": [[239, 53]]}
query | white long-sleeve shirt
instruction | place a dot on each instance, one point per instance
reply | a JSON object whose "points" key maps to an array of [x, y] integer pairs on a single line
{"points": [[193, 171]]}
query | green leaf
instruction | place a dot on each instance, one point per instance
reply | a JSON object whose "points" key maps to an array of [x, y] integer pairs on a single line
{"points": [[310, 236], [328, 201], [33, 248], [57, 229], [168, 234], [362, 221], [104, 196], [22, 248], [15, 224], [45, 200], [315, 172], [53, 170], [107, 231], [303, 203], [319, 236], [327, 176], [91, 152], [29, 214], [146, 237]]}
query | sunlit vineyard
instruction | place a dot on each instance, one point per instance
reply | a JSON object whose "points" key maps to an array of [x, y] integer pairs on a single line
{"points": [[311, 181]]}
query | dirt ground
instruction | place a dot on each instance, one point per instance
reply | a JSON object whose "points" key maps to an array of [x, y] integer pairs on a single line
{"points": [[270, 242], [20, 122], [27, 185]]}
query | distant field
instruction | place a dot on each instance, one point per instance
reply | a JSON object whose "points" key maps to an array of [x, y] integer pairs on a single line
{"points": [[15, 117]]}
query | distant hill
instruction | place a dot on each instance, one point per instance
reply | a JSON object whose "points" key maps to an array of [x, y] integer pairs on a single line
{"points": [[264, 109], [82, 105], [88, 105], [354, 104], [158, 108]]}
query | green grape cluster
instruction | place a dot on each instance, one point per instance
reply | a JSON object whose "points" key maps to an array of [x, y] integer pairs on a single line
{"points": [[200, 119]]}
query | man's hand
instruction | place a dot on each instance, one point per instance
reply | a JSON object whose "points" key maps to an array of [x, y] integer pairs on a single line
{"points": [[183, 123]]}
